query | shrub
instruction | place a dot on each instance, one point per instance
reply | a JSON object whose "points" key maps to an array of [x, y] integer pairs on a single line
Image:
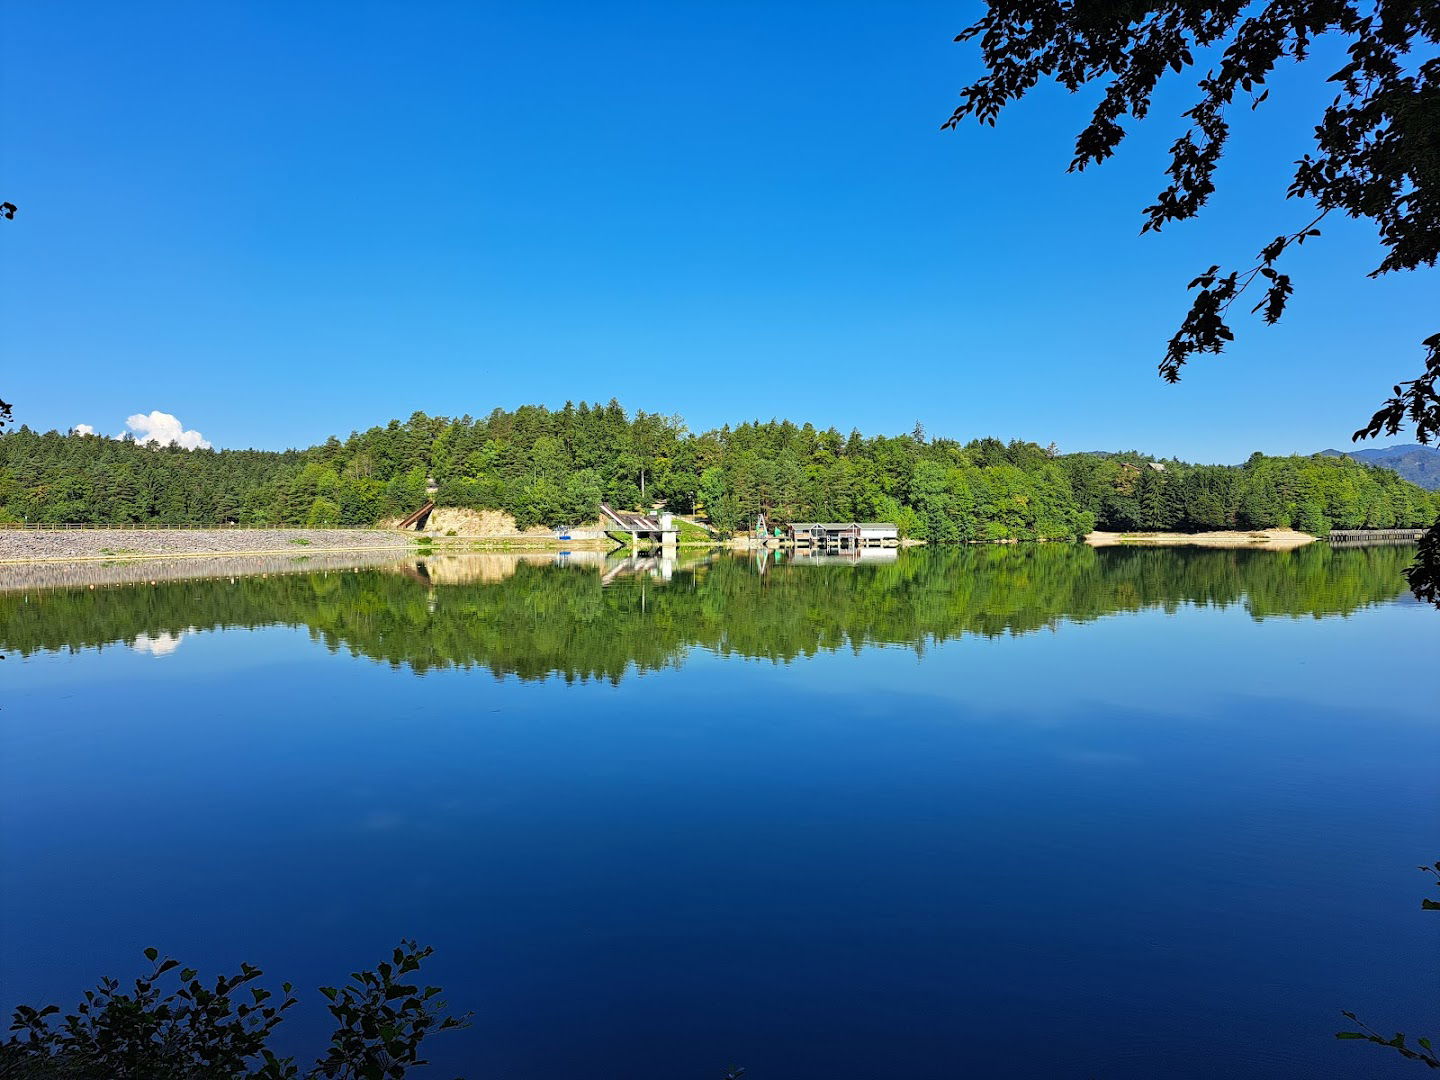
{"points": [[199, 1030]]}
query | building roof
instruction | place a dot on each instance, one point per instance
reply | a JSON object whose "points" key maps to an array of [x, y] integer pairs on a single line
{"points": [[838, 526]]}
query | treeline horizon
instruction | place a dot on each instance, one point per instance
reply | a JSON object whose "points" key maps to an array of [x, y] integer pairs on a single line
{"points": [[551, 467]]}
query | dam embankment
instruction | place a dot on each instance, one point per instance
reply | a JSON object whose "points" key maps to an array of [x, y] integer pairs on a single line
{"points": [[74, 545]]}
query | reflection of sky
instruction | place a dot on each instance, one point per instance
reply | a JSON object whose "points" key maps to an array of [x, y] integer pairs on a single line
{"points": [[1177, 844], [162, 644], [1186, 662]]}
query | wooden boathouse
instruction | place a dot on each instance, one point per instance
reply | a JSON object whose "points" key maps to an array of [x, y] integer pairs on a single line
{"points": [[841, 535]]}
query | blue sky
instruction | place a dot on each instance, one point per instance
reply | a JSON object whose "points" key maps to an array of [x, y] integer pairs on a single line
{"points": [[279, 221]]}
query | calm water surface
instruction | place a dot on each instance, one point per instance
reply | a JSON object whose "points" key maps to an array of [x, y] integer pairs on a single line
{"points": [[1033, 812]]}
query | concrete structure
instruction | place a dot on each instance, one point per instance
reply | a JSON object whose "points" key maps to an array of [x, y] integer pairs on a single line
{"points": [[641, 530]]}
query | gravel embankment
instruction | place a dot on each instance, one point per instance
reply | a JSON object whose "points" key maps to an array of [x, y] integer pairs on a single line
{"points": [[75, 544], [103, 573]]}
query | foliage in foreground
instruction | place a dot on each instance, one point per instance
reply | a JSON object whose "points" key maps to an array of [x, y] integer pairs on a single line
{"points": [[199, 1032], [1423, 1050], [195, 1031], [1374, 158], [1424, 575]]}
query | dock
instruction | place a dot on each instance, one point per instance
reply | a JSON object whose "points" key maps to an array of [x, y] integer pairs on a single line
{"points": [[1357, 537]]}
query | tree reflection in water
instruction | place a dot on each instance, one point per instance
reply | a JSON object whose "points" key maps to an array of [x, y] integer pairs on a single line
{"points": [[587, 616]]}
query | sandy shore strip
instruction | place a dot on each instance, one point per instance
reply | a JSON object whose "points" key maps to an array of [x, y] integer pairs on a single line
{"points": [[1271, 538], [76, 545]]}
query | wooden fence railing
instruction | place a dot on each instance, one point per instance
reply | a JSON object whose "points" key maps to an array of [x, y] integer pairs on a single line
{"points": [[1350, 535]]}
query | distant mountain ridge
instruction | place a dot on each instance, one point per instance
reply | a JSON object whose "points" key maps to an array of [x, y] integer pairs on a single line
{"points": [[1418, 464]]}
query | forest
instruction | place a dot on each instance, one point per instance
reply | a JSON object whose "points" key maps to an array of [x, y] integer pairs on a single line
{"points": [[551, 468]]}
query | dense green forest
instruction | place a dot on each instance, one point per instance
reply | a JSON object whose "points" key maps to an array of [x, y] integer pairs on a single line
{"points": [[555, 619], [551, 467]]}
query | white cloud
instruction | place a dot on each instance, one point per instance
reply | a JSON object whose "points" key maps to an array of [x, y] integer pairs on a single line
{"points": [[84, 429], [166, 430], [162, 644]]}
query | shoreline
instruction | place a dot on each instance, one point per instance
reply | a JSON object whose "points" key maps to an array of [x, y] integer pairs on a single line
{"points": [[139, 544], [81, 546], [148, 555], [101, 545]]}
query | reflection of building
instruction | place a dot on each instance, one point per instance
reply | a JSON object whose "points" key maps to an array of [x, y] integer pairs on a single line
{"points": [[842, 535], [636, 566], [848, 556], [493, 568]]}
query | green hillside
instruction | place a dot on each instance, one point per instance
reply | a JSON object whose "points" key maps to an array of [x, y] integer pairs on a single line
{"points": [[1418, 464], [551, 467]]}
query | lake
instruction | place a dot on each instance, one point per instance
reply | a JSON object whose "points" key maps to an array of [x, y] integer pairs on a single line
{"points": [[1021, 811]]}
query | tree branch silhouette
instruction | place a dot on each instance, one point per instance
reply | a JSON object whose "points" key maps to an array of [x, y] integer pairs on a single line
{"points": [[1376, 155]]}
